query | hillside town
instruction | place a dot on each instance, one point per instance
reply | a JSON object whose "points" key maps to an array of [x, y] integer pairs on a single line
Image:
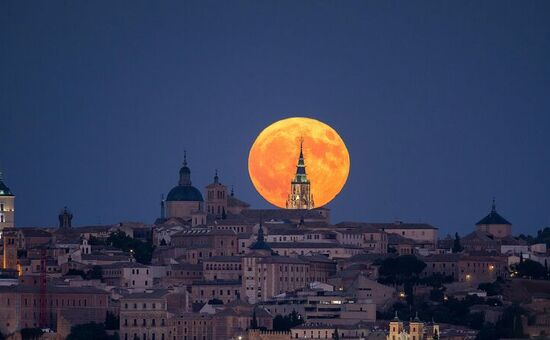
{"points": [[212, 267]]}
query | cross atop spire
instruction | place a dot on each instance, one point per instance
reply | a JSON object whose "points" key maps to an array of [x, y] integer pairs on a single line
{"points": [[184, 157], [494, 206], [301, 166], [216, 178]]}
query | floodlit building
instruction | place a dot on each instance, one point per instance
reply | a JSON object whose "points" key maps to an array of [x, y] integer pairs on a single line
{"points": [[7, 206], [300, 196]]}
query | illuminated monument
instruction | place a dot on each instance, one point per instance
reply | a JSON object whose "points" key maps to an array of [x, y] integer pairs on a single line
{"points": [[6, 206], [300, 196]]}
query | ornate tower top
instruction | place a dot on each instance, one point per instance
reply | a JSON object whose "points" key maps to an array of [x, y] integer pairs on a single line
{"points": [[300, 196], [185, 172], [4, 190], [301, 176], [65, 219]]}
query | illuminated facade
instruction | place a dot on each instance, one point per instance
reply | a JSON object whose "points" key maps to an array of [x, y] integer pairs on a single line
{"points": [[216, 198], [300, 196], [416, 330], [184, 200], [7, 206]]}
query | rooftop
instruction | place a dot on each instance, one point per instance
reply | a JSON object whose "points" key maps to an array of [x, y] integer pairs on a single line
{"points": [[383, 226], [493, 217]]}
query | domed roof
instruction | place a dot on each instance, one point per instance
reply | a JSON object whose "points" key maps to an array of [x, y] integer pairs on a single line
{"points": [[493, 217], [184, 193]]}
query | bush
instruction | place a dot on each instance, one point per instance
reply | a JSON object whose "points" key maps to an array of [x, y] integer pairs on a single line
{"points": [[90, 330], [31, 333]]}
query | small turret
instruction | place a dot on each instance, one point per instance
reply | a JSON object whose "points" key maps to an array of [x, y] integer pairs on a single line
{"points": [[65, 219]]}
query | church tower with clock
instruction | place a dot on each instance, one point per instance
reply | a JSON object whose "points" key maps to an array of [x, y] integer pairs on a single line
{"points": [[300, 196]]}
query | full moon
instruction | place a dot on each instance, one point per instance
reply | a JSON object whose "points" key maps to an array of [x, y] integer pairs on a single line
{"points": [[274, 155]]}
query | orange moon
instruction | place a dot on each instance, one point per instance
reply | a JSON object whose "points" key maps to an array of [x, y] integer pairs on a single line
{"points": [[274, 155]]}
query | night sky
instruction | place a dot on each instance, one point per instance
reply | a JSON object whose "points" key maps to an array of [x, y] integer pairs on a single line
{"points": [[443, 105]]}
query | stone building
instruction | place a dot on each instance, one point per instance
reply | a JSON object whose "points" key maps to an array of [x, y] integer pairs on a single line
{"points": [[224, 290], [10, 241], [363, 235], [182, 274], [216, 199], [184, 200], [266, 274], [20, 305], [223, 268], [145, 316], [413, 330], [204, 243], [7, 206], [230, 321], [494, 224], [133, 276]]}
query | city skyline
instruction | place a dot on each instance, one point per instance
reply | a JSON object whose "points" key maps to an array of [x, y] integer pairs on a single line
{"points": [[441, 112]]}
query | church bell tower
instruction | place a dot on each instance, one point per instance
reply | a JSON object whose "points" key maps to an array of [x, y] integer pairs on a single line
{"points": [[300, 196], [7, 206]]}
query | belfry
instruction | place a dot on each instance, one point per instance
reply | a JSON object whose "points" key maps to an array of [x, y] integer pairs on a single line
{"points": [[300, 196]]}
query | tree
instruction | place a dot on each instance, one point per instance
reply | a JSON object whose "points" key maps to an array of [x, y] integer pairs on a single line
{"points": [[94, 274], [76, 272], [143, 251], [510, 325], [112, 321], [531, 269], [488, 332], [215, 301], [254, 321], [457, 247], [90, 330], [400, 269], [285, 323], [336, 336], [31, 333], [437, 295]]}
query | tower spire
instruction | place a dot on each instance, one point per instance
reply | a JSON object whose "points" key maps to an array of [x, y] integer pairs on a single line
{"points": [[162, 206], [185, 172], [216, 178], [300, 196], [494, 206], [261, 232]]}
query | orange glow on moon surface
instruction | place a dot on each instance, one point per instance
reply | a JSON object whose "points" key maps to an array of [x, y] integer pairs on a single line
{"points": [[273, 157]]}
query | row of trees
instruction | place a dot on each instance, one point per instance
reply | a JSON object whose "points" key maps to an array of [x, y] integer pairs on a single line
{"points": [[543, 236], [92, 274], [142, 251], [531, 269]]}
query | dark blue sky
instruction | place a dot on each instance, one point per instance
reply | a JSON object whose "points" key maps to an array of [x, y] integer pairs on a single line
{"points": [[442, 105]]}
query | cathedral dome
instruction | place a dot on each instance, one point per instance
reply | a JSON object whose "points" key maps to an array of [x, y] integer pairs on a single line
{"points": [[184, 193]]}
